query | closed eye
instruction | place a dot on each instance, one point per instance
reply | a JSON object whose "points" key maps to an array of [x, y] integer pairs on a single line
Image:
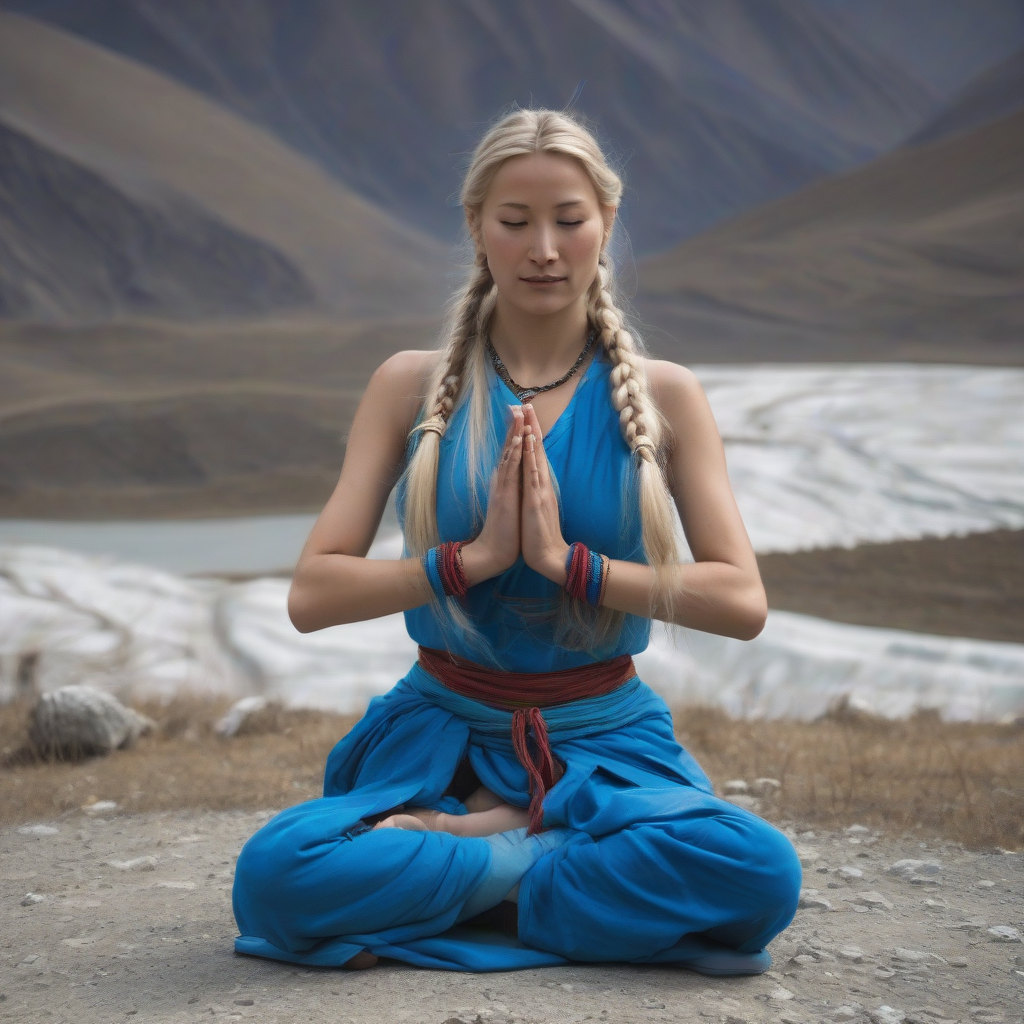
{"points": [[570, 223], [514, 223]]}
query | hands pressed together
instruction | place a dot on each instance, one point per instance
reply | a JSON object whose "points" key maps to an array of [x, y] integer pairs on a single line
{"points": [[522, 511]]}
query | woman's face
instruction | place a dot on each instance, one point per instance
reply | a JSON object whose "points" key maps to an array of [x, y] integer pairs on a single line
{"points": [[542, 229]]}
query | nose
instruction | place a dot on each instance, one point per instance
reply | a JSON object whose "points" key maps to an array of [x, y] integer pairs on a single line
{"points": [[543, 249]]}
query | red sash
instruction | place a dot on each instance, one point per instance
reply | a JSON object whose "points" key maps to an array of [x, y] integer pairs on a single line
{"points": [[524, 694]]}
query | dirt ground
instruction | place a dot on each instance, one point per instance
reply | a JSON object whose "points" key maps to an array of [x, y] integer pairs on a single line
{"points": [[130, 919]]}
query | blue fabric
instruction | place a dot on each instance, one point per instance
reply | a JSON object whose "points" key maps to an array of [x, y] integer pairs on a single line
{"points": [[516, 613], [659, 870], [655, 868], [594, 578], [434, 574]]}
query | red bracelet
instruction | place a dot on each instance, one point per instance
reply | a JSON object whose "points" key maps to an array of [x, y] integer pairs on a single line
{"points": [[451, 569], [576, 568]]}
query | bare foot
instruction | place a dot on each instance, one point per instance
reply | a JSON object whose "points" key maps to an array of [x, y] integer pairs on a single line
{"points": [[361, 961], [406, 821]]}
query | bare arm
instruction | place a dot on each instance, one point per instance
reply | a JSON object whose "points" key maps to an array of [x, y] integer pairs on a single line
{"points": [[721, 592], [334, 582]]}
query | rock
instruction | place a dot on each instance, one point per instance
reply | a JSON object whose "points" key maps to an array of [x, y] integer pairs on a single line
{"points": [[872, 899], [30, 899], [237, 714], [81, 721], [780, 994], [37, 830], [971, 924], [98, 807], [887, 1015], [136, 864], [847, 872], [766, 786], [1004, 933], [810, 900], [852, 953], [910, 869], [807, 854], [845, 1012], [985, 883], [735, 786], [856, 830], [744, 800], [653, 1004], [803, 960], [908, 956]]}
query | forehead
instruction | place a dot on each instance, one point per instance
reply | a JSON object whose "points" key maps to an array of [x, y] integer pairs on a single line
{"points": [[540, 179]]}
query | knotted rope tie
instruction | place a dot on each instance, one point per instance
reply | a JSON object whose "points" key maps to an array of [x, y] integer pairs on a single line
{"points": [[541, 766]]}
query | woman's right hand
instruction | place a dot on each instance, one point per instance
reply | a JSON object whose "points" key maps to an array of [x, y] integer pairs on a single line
{"points": [[497, 547]]}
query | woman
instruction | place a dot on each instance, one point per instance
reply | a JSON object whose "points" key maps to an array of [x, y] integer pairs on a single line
{"points": [[519, 799]]}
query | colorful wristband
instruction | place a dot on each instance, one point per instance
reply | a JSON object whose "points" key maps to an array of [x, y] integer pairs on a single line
{"points": [[444, 569], [585, 574]]}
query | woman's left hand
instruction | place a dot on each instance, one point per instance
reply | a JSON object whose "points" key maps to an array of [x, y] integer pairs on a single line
{"points": [[543, 547]]}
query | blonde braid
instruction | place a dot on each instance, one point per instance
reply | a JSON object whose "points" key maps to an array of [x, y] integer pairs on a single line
{"points": [[640, 421], [469, 319]]}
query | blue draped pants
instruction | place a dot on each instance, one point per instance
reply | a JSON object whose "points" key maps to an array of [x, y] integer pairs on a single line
{"points": [[658, 871]]}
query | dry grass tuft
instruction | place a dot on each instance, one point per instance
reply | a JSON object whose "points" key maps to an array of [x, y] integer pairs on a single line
{"points": [[958, 781], [938, 780]]}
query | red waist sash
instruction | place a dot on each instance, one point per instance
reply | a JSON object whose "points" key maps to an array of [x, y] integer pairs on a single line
{"points": [[524, 694]]}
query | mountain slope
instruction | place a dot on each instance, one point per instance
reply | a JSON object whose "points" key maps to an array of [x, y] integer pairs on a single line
{"points": [[918, 255], [713, 108], [164, 146], [73, 248], [993, 94]]}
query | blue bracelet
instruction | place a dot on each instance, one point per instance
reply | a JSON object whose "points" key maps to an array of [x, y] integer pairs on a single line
{"points": [[430, 567], [594, 571]]}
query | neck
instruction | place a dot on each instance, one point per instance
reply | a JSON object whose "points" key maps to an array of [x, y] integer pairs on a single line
{"points": [[538, 348]]}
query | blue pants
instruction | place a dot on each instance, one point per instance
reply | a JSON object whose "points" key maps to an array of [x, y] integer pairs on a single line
{"points": [[657, 870]]}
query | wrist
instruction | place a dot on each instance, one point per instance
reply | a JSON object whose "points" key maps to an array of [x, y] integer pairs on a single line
{"points": [[478, 563], [553, 566]]}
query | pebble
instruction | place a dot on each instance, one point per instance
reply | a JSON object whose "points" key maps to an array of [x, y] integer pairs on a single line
{"points": [[652, 1004], [908, 956], [887, 1015], [872, 899], [735, 786], [985, 883], [803, 960], [810, 900], [854, 830], [780, 994], [1004, 933], [38, 830], [807, 854], [30, 899], [853, 953], [911, 869], [847, 872], [744, 800], [136, 864], [766, 786], [237, 714], [100, 807], [845, 1012]]}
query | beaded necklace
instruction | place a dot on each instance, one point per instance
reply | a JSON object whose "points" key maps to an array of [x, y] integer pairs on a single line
{"points": [[526, 394]]}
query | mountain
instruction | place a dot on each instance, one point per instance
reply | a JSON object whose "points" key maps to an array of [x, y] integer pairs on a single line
{"points": [[996, 92], [126, 192], [710, 108], [917, 256]]}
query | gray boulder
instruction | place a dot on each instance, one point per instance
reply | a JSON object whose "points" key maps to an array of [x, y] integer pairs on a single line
{"points": [[81, 721]]}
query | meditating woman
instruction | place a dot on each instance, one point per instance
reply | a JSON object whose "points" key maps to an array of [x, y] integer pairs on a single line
{"points": [[519, 798]]}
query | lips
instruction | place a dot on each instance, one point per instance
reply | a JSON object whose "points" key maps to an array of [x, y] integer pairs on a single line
{"points": [[542, 279]]}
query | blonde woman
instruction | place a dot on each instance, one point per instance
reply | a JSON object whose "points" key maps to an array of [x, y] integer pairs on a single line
{"points": [[521, 777]]}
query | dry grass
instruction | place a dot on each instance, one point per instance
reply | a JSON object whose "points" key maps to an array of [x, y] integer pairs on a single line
{"points": [[954, 781]]}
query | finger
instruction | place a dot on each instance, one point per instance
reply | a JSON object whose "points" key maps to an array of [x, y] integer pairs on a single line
{"points": [[533, 423], [530, 466]]}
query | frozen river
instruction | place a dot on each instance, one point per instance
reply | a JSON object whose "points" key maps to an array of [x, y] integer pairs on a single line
{"points": [[817, 456]]}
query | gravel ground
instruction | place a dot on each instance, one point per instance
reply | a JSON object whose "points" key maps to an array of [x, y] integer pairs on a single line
{"points": [[129, 918]]}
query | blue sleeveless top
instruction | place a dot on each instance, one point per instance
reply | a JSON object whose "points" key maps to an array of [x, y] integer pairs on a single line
{"points": [[516, 613]]}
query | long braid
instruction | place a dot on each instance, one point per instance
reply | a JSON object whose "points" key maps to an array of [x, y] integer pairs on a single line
{"points": [[641, 423], [468, 319]]}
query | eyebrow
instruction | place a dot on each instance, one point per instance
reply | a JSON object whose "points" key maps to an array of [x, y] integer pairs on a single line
{"points": [[558, 206]]}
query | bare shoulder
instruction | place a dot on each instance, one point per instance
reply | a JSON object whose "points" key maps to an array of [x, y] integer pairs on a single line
{"points": [[674, 388], [399, 384]]}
